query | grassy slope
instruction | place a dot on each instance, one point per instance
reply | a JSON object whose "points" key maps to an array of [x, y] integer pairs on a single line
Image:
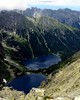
{"points": [[66, 82]]}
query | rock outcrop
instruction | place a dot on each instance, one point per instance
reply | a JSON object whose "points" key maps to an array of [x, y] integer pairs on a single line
{"points": [[10, 94]]}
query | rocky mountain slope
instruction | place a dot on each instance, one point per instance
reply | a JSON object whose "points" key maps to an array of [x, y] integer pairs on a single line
{"points": [[66, 16], [20, 33], [9, 68]]}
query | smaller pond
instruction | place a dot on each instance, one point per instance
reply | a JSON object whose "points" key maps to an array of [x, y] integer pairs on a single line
{"points": [[42, 62], [27, 82]]}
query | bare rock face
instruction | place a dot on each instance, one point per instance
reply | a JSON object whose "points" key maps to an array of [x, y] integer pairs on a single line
{"points": [[77, 98], [10, 94], [63, 98], [39, 94], [36, 94]]}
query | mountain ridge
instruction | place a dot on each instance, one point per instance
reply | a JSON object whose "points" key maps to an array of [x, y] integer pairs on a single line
{"points": [[65, 16]]}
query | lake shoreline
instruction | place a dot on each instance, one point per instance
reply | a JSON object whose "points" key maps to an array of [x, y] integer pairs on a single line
{"points": [[31, 77]]}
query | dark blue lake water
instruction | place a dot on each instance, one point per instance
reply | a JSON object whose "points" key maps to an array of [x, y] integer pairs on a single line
{"points": [[27, 82], [42, 62]]}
